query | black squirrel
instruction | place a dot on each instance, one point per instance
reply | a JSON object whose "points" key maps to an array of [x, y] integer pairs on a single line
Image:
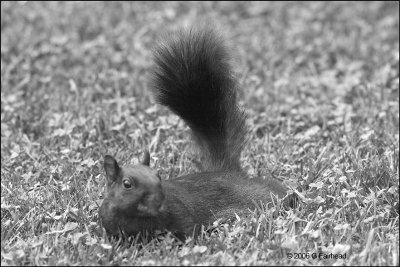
{"points": [[193, 78]]}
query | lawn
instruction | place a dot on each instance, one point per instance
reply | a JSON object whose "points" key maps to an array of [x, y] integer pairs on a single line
{"points": [[319, 81]]}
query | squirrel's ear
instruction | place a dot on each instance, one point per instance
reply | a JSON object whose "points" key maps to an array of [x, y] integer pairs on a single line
{"points": [[146, 158], [111, 168]]}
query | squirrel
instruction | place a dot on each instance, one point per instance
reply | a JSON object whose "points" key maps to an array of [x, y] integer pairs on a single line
{"points": [[193, 78]]}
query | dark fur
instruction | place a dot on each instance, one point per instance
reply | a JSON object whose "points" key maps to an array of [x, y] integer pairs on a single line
{"points": [[190, 201], [193, 78]]}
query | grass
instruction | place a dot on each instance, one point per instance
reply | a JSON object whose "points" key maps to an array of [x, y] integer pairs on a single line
{"points": [[320, 82]]}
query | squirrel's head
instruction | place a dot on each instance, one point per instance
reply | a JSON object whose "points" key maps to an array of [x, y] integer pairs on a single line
{"points": [[132, 190]]}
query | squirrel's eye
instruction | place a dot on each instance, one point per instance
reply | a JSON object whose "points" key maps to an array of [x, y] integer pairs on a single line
{"points": [[127, 184]]}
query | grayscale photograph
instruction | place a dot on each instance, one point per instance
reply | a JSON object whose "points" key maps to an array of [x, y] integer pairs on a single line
{"points": [[212, 133]]}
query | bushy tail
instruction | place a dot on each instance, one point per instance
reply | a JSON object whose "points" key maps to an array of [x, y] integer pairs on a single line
{"points": [[193, 78]]}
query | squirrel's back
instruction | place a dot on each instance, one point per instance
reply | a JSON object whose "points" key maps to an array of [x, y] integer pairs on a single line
{"points": [[193, 78]]}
